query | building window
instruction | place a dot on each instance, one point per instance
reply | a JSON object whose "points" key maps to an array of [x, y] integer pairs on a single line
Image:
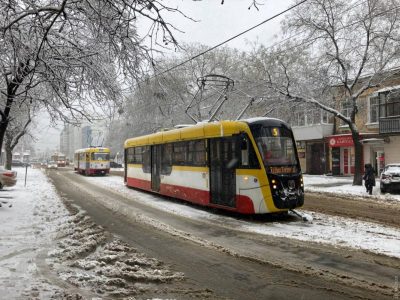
{"points": [[299, 118], [346, 109], [311, 117], [373, 109], [314, 117], [390, 104], [326, 117]]}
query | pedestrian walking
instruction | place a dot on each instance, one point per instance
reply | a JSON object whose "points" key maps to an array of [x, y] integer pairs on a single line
{"points": [[369, 178]]}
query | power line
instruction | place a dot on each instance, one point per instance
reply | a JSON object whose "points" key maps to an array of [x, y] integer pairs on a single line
{"points": [[357, 3], [230, 39]]}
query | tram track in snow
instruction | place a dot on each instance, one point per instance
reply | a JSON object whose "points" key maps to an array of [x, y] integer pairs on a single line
{"points": [[325, 229], [331, 260], [369, 209]]}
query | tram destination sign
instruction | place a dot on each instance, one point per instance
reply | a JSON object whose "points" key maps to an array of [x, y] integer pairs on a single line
{"points": [[282, 170]]}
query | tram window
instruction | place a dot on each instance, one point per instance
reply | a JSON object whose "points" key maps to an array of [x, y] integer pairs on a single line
{"points": [[166, 159], [138, 158], [130, 155], [244, 150], [248, 155], [146, 159], [197, 153], [179, 153]]}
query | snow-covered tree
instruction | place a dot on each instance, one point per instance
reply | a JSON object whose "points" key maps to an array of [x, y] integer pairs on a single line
{"points": [[160, 101], [78, 53], [17, 128], [338, 49]]}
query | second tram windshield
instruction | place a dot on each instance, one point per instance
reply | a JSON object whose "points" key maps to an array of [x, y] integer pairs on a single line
{"points": [[100, 156], [276, 146]]}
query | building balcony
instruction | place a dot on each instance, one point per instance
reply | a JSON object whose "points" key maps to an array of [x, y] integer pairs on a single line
{"points": [[389, 125], [312, 132]]}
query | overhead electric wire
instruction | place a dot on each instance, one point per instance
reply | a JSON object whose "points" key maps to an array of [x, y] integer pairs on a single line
{"points": [[224, 42], [290, 48], [228, 40]]}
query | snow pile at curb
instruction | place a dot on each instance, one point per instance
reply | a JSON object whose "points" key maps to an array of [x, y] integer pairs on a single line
{"points": [[89, 257]]}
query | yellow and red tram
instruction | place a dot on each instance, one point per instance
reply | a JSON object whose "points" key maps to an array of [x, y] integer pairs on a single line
{"points": [[92, 161], [248, 166]]}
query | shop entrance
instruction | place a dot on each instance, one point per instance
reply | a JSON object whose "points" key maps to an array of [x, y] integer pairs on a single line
{"points": [[316, 158], [379, 161], [347, 161]]}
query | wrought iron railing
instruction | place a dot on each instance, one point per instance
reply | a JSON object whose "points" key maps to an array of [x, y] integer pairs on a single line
{"points": [[389, 125]]}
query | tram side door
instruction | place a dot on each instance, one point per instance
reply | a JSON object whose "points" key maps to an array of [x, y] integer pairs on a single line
{"points": [[125, 165], [155, 167], [222, 153]]}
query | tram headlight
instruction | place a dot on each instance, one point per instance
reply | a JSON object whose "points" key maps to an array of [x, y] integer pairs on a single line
{"points": [[274, 186]]}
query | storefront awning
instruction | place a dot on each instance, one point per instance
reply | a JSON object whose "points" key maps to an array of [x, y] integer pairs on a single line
{"points": [[373, 141]]}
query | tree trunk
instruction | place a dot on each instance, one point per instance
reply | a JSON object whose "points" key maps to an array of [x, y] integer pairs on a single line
{"points": [[12, 87], [3, 128], [8, 151], [358, 149]]}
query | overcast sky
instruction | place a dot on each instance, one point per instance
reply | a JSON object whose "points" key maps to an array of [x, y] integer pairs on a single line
{"points": [[215, 23]]}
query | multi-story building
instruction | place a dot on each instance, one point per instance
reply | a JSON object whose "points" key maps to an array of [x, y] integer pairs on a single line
{"points": [[86, 136], [383, 118], [326, 145], [77, 137], [310, 129], [70, 140]]}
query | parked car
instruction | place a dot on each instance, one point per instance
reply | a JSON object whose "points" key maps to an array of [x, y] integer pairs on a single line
{"points": [[52, 165], [35, 164], [17, 163], [7, 177], [113, 164], [390, 178]]}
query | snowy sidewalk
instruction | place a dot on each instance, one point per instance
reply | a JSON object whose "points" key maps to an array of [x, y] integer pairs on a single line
{"points": [[48, 252], [343, 186], [27, 232]]}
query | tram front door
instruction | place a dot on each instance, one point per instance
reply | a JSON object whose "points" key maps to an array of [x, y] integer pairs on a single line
{"points": [[155, 167], [223, 160]]}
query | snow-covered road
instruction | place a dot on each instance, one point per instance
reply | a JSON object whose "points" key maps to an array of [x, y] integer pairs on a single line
{"points": [[332, 230], [38, 224]]}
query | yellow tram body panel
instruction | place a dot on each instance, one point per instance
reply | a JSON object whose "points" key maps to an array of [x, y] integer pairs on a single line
{"points": [[206, 130]]}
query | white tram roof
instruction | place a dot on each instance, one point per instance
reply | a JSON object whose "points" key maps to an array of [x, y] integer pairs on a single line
{"points": [[93, 149]]}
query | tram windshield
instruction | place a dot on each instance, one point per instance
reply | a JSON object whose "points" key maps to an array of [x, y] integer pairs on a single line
{"points": [[100, 156], [276, 146]]}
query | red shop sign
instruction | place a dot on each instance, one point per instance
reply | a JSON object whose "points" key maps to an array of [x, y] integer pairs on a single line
{"points": [[341, 141]]}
